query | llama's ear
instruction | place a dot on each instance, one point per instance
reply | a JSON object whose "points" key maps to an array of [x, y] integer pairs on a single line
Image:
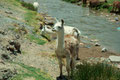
{"points": [[62, 21]]}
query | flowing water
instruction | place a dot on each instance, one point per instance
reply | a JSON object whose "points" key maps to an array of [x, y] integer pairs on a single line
{"points": [[95, 27]]}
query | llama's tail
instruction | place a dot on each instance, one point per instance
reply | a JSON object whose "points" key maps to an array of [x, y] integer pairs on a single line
{"points": [[78, 35]]}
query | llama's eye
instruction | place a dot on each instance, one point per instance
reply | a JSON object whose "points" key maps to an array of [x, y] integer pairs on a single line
{"points": [[59, 27], [49, 27]]}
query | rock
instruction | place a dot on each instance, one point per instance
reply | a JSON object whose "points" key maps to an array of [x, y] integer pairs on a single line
{"points": [[17, 36], [2, 32], [6, 74], [112, 20], [8, 12], [95, 40], [114, 58], [118, 66], [114, 14], [5, 56], [107, 15], [94, 12], [97, 44], [16, 45], [102, 13], [81, 43], [109, 18], [104, 49], [116, 19], [87, 14], [79, 3]]}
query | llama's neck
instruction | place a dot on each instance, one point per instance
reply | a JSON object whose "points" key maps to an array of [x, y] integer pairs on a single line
{"points": [[60, 41]]}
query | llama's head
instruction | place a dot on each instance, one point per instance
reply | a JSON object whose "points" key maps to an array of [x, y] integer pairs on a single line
{"points": [[58, 27]]}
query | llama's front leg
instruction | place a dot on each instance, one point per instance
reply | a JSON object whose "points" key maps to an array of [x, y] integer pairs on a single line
{"points": [[60, 67]]}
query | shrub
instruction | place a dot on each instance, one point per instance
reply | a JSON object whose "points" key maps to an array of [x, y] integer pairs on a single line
{"points": [[99, 71], [28, 6]]}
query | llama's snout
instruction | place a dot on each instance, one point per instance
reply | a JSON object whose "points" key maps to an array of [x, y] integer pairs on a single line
{"points": [[53, 29]]}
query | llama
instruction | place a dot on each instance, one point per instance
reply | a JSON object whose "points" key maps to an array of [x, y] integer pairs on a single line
{"points": [[67, 47], [67, 30], [36, 4], [48, 30], [116, 5]]}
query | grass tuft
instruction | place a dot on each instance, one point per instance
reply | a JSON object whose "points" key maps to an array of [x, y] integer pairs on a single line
{"points": [[32, 72], [99, 71], [36, 39]]}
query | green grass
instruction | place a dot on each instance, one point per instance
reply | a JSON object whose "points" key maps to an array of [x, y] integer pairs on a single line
{"points": [[99, 71], [28, 6], [29, 72], [35, 39], [31, 18]]}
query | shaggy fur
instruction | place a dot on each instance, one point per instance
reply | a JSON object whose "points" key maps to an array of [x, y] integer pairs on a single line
{"points": [[67, 47]]}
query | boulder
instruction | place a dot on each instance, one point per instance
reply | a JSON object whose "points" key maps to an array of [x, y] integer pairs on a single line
{"points": [[116, 19], [114, 58], [6, 74]]}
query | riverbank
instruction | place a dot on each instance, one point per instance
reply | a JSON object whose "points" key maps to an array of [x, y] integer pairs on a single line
{"points": [[104, 11], [37, 59]]}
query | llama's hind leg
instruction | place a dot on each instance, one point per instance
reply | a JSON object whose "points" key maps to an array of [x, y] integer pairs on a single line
{"points": [[68, 68], [77, 53]]}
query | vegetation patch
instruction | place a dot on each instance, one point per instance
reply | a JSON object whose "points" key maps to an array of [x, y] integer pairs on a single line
{"points": [[36, 39], [32, 72], [28, 6], [99, 71]]}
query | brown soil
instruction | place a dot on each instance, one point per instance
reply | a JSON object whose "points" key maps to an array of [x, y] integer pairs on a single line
{"points": [[43, 56], [93, 51]]}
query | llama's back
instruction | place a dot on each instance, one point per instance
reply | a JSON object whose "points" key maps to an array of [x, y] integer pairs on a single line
{"points": [[72, 44]]}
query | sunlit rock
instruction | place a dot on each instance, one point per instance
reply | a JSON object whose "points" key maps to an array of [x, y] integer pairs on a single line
{"points": [[114, 58], [104, 50]]}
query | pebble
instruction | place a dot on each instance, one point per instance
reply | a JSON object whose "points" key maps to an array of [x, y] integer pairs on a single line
{"points": [[102, 13], [107, 15], [104, 49], [8, 12], [87, 14], [112, 20], [81, 43], [118, 66], [116, 19], [114, 14], [95, 40], [97, 44], [109, 19]]}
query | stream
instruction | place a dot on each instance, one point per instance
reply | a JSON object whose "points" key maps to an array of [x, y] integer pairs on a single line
{"points": [[93, 26]]}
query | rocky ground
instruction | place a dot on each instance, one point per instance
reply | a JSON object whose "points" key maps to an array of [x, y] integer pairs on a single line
{"points": [[33, 55]]}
